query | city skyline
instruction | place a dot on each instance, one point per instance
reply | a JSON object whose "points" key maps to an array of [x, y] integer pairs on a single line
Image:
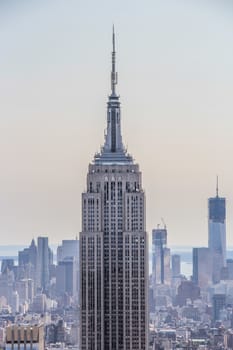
{"points": [[175, 82]]}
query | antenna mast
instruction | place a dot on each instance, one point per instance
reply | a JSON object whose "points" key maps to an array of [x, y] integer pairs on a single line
{"points": [[113, 73]]}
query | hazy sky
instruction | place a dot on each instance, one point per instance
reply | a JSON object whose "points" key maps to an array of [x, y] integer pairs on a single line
{"points": [[175, 67]]}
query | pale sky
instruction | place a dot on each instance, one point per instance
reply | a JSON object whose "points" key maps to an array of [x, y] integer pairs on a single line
{"points": [[175, 68]]}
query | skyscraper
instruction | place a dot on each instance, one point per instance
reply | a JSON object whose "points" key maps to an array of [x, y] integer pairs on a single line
{"points": [[217, 234], [27, 260], [66, 277], [219, 302], [160, 257], [69, 248], [28, 255], [113, 244], [44, 259], [68, 267], [175, 265], [202, 267]]}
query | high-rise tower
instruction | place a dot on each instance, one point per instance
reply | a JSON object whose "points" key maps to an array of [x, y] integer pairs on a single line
{"points": [[43, 262], [217, 234], [113, 244], [161, 273], [202, 267]]}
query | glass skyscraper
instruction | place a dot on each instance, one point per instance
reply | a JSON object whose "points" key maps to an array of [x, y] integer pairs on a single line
{"points": [[217, 234], [160, 257]]}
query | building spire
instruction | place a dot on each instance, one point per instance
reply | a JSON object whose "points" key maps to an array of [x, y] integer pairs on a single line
{"points": [[217, 186], [113, 150], [113, 73]]}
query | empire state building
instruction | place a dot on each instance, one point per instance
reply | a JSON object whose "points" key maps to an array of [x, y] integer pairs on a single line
{"points": [[113, 244]]}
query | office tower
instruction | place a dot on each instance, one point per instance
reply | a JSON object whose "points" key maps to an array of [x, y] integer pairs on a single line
{"points": [[25, 336], [187, 290], [23, 257], [202, 267], [160, 257], [175, 265], [56, 333], [7, 265], [69, 248], [66, 275], [31, 289], [68, 267], [39, 304], [28, 255], [7, 281], [219, 302], [230, 269], [43, 263], [15, 302], [113, 244], [167, 265], [22, 288], [32, 253], [69, 251], [27, 260], [217, 234]]}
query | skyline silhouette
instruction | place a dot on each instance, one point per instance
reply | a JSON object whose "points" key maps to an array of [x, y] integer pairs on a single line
{"points": [[175, 80]]}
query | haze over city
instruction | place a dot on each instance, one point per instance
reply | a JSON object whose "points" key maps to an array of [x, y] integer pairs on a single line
{"points": [[174, 60]]}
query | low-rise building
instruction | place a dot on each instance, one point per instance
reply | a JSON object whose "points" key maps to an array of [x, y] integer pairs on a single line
{"points": [[24, 337]]}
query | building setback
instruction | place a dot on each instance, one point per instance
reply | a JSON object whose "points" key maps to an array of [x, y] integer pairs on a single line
{"points": [[113, 244]]}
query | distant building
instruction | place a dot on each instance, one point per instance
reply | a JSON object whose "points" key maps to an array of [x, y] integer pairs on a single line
{"points": [[175, 265], [160, 257], [202, 267], [31, 289], [7, 265], [15, 302], [55, 332], [44, 260], [23, 257], [187, 290], [22, 288], [219, 303], [2, 337], [66, 277], [217, 234], [67, 272], [25, 336], [230, 269], [27, 268], [39, 304], [69, 248], [28, 255], [7, 281], [224, 273]]}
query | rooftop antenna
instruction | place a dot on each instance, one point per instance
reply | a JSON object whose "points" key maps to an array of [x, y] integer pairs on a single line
{"points": [[113, 73], [217, 186]]}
